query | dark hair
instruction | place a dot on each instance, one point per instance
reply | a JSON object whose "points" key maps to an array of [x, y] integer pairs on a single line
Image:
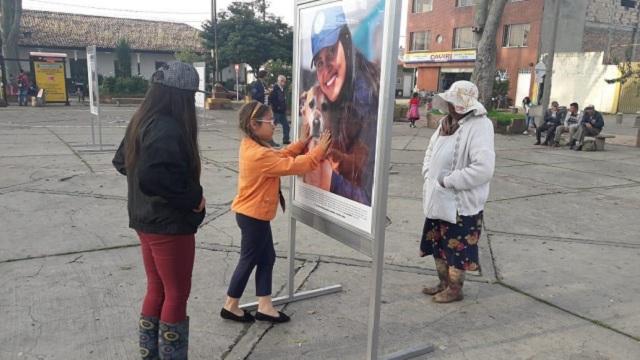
{"points": [[346, 121], [163, 100], [252, 111], [526, 99], [262, 74], [555, 102], [575, 104], [415, 94]]}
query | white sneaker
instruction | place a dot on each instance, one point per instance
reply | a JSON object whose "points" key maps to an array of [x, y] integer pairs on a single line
{"points": [[525, 132]]}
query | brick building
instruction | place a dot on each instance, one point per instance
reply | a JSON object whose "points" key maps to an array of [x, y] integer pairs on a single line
{"points": [[440, 43]]}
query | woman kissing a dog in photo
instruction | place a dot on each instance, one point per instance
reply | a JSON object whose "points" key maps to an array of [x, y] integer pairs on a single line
{"points": [[346, 94]]}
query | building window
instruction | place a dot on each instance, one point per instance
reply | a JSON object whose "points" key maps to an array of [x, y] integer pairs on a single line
{"points": [[515, 35], [628, 3], [463, 38], [420, 6], [420, 41], [464, 3]]}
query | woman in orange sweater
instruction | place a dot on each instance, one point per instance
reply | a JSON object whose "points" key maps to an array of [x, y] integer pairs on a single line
{"points": [[256, 204]]}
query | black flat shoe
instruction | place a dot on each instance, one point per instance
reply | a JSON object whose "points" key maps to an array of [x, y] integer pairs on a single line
{"points": [[282, 318], [228, 315]]}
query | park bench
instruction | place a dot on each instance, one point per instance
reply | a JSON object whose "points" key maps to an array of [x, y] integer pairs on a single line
{"points": [[600, 140]]}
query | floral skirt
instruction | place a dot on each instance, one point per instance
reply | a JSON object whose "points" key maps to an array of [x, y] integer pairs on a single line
{"points": [[456, 243]]}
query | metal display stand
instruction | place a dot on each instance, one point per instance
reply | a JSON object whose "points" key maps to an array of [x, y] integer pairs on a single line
{"points": [[94, 96], [370, 244]]}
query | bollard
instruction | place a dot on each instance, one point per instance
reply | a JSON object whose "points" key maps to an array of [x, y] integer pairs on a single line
{"points": [[619, 118]]}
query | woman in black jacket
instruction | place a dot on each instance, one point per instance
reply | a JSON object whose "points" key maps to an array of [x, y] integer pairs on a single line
{"points": [[160, 157]]}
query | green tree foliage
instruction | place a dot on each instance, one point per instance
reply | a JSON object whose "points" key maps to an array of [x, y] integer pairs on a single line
{"points": [[245, 38], [123, 59], [189, 57]]}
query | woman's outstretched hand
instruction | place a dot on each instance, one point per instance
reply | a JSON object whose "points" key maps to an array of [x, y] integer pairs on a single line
{"points": [[325, 141]]}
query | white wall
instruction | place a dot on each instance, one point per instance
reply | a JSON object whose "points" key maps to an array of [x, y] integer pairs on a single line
{"points": [[105, 60], [580, 77]]}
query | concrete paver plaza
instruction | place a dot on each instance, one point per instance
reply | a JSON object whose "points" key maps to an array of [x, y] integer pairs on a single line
{"points": [[560, 255]]}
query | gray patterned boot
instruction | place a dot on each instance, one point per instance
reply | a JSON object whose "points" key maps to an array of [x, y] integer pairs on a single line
{"points": [[148, 337], [174, 340]]}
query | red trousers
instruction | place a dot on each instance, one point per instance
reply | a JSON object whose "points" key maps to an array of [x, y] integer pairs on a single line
{"points": [[168, 263]]}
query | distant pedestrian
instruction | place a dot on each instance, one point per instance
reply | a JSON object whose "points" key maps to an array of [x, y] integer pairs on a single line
{"points": [[552, 119], [414, 113], [570, 124], [591, 125], [458, 167], [160, 157], [23, 88], [256, 204], [278, 102], [258, 87], [529, 119]]}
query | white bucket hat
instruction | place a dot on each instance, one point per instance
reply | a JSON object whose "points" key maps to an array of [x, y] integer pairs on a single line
{"points": [[463, 95]]}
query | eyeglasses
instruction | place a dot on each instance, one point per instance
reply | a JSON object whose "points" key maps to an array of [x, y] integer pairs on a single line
{"points": [[270, 121]]}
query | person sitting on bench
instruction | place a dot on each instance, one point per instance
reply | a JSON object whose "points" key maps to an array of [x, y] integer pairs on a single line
{"points": [[570, 124], [552, 119], [591, 125]]}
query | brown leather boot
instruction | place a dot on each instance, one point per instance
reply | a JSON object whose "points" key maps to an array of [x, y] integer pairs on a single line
{"points": [[443, 275], [453, 292]]}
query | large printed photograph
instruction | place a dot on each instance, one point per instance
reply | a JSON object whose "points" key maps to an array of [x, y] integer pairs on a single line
{"points": [[339, 54]]}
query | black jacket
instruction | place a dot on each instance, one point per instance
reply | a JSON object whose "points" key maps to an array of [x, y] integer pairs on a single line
{"points": [[257, 91], [595, 120], [162, 191], [278, 100], [557, 120]]}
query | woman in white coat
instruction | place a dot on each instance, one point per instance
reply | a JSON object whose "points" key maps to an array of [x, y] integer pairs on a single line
{"points": [[457, 169]]}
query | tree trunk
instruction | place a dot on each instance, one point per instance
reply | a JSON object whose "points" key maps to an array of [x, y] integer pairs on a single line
{"points": [[480, 19], [10, 15], [484, 71]]}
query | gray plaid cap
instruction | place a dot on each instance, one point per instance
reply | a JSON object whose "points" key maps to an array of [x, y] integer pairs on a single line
{"points": [[177, 75]]}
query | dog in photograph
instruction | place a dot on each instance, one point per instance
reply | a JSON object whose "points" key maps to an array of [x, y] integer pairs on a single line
{"points": [[315, 120]]}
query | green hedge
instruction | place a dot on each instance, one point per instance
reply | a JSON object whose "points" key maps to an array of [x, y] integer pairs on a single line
{"points": [[135, 85]]}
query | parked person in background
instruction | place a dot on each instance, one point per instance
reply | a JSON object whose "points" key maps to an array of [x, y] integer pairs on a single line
{"points": [[591, 125], [552, 118], [23, 87], [160, 157], [570, 124], [413, 114], [457, 170], [256, 204], [258, 88], [529, 120], [278, 102]]}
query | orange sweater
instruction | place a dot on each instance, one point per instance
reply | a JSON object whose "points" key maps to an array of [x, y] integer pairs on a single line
{"points": [[260, 169]]}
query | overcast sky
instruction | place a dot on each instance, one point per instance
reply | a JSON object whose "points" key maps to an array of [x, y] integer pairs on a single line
{"points": [[192, 12]]}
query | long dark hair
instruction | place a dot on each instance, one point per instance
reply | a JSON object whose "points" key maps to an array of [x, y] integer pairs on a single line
{"points": [[347, 120], [163, 100], [253, 110]]}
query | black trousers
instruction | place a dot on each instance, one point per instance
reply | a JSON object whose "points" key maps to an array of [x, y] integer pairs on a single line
{"points": [[550, 129], [256, 251]]}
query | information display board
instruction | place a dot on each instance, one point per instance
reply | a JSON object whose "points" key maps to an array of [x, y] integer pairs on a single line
{"points": [[337, 66], [92, 69], [50, 75]]}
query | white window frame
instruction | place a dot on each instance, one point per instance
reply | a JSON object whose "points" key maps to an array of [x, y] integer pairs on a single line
{"points": [[426, 3], [427, 40], [508, 33], [465, 3], [456, 42]]}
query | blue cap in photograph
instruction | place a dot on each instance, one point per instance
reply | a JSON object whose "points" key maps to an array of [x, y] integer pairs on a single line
{"points": [[326, 28]]}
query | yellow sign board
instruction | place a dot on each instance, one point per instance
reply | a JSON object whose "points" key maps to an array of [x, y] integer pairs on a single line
{"points": [[50, 76]]}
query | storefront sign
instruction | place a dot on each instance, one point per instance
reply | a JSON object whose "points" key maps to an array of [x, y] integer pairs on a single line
{"points": [[440, 57]]}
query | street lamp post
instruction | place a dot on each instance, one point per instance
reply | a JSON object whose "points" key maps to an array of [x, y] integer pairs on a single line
{"points": [[214, 52]]}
